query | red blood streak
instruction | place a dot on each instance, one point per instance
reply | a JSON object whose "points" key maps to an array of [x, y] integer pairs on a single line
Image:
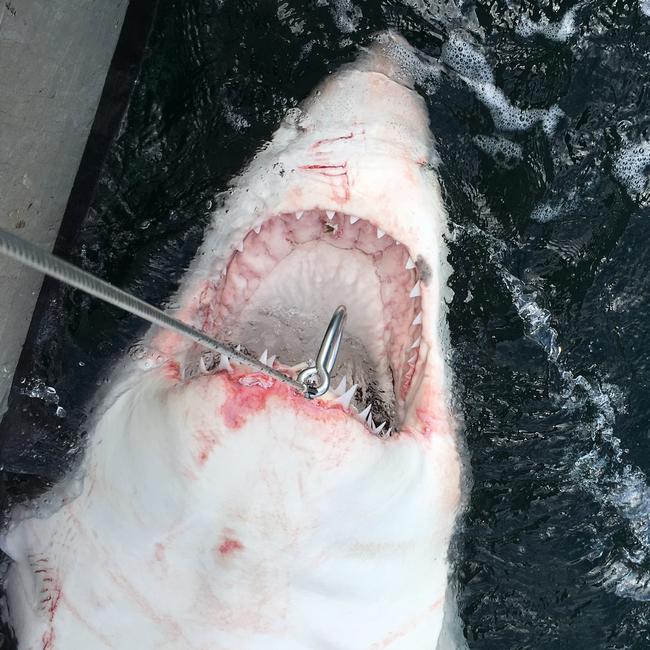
{"points": [[339, 179], [54, 601], [409, 626], [321, 167], [230, 545], [241, 403], [245, 398], [432, 422], [406, 381], [48, 640], [206, 442], [172, 370], [318, 143], [159, 552]]}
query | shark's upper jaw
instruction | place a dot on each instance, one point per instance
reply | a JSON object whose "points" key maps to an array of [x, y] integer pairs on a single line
{"points": [[282, 284]]}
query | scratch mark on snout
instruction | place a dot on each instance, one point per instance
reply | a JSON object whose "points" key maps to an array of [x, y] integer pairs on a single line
{"points": [[335, 175]]}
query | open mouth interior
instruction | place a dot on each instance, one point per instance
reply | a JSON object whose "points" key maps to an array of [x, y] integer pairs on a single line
{"points": [[285, 279]]}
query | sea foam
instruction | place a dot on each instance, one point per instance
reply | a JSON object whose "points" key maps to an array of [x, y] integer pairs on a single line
{"points": [[472, 66], [559, 31]]}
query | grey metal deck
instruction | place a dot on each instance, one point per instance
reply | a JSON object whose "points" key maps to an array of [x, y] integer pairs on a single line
{"points": [[54, 56]]}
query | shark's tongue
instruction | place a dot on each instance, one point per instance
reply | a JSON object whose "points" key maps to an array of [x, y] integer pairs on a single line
{"points": [[287, 277]]}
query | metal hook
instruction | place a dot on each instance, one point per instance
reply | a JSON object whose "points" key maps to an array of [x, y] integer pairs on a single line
{"points": [[326, 358]]}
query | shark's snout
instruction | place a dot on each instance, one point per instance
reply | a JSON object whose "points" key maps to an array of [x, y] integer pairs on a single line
{"points": [[389, 54]]}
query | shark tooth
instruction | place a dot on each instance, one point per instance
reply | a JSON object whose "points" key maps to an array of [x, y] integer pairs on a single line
{"points": [[189, 372], [415, 291], [380, 233], [264, 357], [271, 360], [417, 320], [353, 220], [365, 413], [410, 264], [257, 229], [416, 343], [330, 214], [299, 215], [347, 397], [378, 429], [340, 389], [224, 364], [206, 362]]}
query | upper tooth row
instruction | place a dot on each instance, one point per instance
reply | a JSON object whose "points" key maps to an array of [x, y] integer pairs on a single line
{"points": [[410, 264]]}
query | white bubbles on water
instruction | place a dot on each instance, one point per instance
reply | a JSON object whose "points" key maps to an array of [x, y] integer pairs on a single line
{"points": [[38, 389], [602, 472], [559, 31], [472, 66], [632, 167], [644, 6], [236, 120], [346, 15], [286, 16], [557, 207], [466, 59], [504, 152], [546, 212], [537, 319], [446, 11], [511, 118]]}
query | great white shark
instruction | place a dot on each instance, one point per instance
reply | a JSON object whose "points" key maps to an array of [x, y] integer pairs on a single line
{"points": [[218, 508]]}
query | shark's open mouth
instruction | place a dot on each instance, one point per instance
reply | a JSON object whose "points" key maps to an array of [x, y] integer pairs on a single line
{"points": [[282, 284]]}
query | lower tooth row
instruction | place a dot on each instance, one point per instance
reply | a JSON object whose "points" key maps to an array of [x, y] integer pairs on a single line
{"points": [[207, 364], [345, 397]]}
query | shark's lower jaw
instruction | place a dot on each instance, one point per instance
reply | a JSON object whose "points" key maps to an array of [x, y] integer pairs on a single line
{"points": [[285, 279]]}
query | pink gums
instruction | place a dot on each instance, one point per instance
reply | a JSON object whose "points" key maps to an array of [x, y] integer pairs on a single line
{"points": [[242, 403], [245, 399]]}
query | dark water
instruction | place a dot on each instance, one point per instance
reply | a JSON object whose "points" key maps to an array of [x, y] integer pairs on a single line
{"points": [[551, 312]]}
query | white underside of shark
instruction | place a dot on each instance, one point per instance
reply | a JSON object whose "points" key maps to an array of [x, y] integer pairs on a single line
{"points": [[216, 508]]}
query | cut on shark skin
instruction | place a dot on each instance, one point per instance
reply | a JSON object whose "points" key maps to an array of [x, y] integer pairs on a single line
{"points": [[216, 507]]}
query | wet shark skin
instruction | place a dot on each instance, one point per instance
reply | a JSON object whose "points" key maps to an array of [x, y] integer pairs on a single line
{"points": [[229, 512]]}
